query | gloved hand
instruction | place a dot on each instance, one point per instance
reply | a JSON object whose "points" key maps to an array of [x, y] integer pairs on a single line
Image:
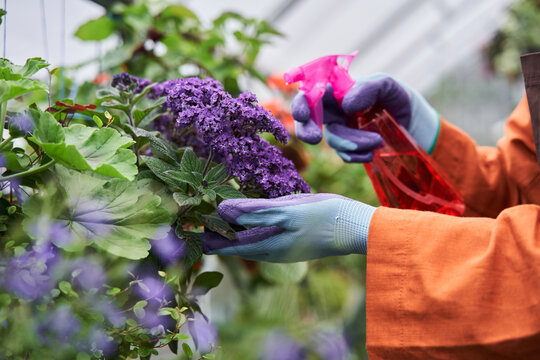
{"points": [[293, 228], [406, 105]]}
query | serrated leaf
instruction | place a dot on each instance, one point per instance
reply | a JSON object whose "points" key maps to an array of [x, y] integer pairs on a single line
{"points": [[10, 89], [210, 193], [159, 147], [115, 215], [216, 174], [228, 192], [192, 178], [161, 169], [190, 162], [206, 281], [184, 200], [194, 245], [85, 148], [216, 224], [32, 66], [96, 29]]}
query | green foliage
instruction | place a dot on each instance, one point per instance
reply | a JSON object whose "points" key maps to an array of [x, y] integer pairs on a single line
{"points": [[14, 80], [165, 41], [84, 148], [519, 35], [96, 30]]}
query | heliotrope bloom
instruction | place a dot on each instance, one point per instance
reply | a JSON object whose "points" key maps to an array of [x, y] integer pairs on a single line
{"points": [[208, 117]]}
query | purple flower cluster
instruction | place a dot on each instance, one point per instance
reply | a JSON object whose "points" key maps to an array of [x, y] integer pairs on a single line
{"points": [[230, 127], [127, 83]]}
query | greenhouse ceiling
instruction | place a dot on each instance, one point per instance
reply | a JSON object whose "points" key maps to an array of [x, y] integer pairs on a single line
{"points": [[415, 40]]}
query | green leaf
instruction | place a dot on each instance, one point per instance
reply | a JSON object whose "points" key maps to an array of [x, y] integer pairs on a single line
{"points": [[216, 224], [228, 192], [2, 13], [181, 337], [66, 288], [210, 193], [194, 245], [209, 356], [184, 200], [10, 89], [113, 214], [190, 162], [159, 147], [32, 66], [187, 350], [140, 304], [85, 148], [206, 281], [97, 120], [178, 11], [216, 174], [96, 29], [290, 273], [192, 178], [161, 169]]}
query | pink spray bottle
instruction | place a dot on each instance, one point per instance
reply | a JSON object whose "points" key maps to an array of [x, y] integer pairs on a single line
{"points": [[402, 173]]}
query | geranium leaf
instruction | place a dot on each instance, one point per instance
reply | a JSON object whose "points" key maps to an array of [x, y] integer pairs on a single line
{"points": [[86, 148], [113, 214]]}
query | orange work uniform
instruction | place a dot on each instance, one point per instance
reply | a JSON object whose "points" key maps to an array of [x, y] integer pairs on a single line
{"points": [[442, 287]]}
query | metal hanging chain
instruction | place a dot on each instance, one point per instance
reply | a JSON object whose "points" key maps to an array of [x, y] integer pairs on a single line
{"points": [[44, 30], [63, 50]]}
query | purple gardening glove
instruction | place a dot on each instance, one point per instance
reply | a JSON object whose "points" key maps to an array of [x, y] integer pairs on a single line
{"points": [[293, 228], [407, 106]]}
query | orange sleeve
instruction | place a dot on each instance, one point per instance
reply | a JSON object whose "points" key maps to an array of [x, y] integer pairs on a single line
{"points": [[443, 287], [492, 178]]}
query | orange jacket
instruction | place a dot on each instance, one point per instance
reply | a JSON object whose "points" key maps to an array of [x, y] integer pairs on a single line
{"points": [[442, 287]]}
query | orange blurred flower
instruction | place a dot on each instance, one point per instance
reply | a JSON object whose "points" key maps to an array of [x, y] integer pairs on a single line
{"points": [[280, 112], [276, 82]]}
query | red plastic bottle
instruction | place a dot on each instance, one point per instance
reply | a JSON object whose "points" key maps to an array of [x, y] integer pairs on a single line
{"points": [[402, 173]]}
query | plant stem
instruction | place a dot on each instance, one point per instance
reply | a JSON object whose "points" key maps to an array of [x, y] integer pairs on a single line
{"points": [[208, 162], [29, 172], [6, 141], [3, 112]]}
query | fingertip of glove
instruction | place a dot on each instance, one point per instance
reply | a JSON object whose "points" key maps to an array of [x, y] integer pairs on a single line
{"points": [[308, 132], [300, 108]]}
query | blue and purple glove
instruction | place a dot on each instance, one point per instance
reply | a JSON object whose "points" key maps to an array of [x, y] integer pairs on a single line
{"points": [[406, 105], [293, 228]]}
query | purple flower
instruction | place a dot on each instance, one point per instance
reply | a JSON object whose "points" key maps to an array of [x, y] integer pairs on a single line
{"points": [[113, 315], [169, 249], [30, 276], [125, 82], [279, 346], [331, 345], [21, 123], [203, 332], [230, 127], [100, 341], [151, 288], [59, 325], [88, 274]]}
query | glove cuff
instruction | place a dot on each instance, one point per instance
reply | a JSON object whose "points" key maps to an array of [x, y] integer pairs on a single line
{"points": [[425, 122], [352, 226]]}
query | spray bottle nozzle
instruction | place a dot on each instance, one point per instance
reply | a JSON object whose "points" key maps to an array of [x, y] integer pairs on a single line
{"points": [[316, 75]]}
